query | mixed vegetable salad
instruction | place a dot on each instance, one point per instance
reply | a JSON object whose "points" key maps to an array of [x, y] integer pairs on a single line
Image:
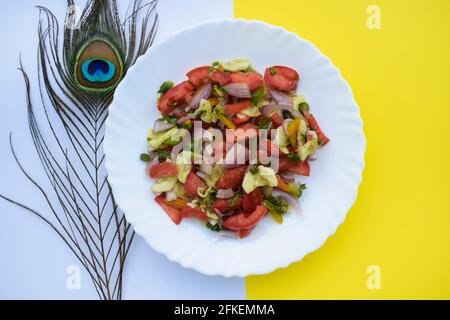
{"points": [[231, 196]]}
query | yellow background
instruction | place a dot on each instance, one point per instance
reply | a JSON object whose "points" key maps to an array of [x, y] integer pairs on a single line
{"points": [[400, 78]]}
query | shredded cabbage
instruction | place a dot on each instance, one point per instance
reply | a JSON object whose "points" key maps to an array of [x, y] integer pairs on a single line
{"points": [[178, 188], [164, 184], [302, 128], [184, 165], [309, 148], [281, 140], [212, 215], [205, 111], [178, 136], [251, 111], [264, 177], [236, 65], [156, 139], [216, 173], [204, 193]]}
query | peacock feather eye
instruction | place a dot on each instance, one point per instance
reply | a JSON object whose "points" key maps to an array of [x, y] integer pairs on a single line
{"points": [[98, 66], [98, 70]]}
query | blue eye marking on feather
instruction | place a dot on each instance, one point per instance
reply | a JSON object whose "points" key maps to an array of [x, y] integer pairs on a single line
{"points": [[98, 70]]}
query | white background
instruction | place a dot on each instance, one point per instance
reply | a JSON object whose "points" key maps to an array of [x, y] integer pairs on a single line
{"points": [[33, 259]]}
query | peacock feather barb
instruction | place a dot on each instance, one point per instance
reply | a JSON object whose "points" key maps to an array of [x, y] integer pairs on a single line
{"points": [[76, 83]]}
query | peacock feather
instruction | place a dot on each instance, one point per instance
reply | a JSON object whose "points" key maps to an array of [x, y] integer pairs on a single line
{"points": [[76, 82]]}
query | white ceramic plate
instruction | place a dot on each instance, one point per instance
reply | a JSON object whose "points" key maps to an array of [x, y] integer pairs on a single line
{"points": [[332, 185]]}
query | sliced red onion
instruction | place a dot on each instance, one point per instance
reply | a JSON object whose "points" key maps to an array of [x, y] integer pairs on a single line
{"points": [[203, 93], [201, 175], [171, 195], [287, 177], [273, 107], [161, 125], [239, 90], [224, 193], [293, 202], [216, 211], [228, 213], [270, 108], [151, 163], [178, 110], [281, 97]]}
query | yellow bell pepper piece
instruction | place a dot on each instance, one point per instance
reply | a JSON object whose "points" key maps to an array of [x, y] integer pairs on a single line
{"points": [[178, 203], [283, 186], [213, 101], [292, 129], [277, 217], [226, 121]]}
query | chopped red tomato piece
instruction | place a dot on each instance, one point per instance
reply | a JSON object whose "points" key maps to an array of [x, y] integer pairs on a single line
{"points": [[253, 79], [276, 119], [163, 169], [244, 220], [232, 179], [172, 212], [232, 109], [283, 164], [244, 233], [239, 120], [313, 123], [259, 119], [198, 76], [287, 72], [281, 78], [193, 183], [220, 77], [194, 213], [300, 167], [224, 205], [251, 200], [177, 95]]}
